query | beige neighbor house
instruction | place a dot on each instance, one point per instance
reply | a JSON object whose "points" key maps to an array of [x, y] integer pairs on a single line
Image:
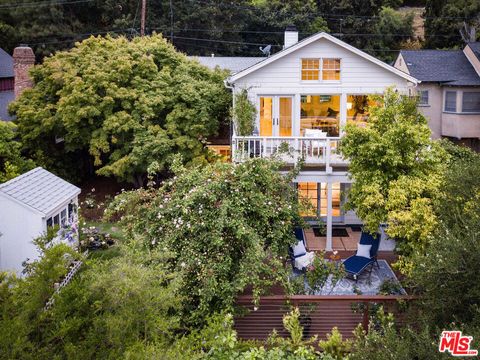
{"points": [[449, 91], [304, 95]]}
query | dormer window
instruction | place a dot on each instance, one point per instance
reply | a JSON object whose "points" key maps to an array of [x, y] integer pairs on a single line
{"points": [[324, 69]]}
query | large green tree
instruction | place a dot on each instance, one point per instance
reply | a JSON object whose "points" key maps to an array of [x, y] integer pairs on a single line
{"points": [[12, 163], [123, 105], [397, 170], [445, 18]]}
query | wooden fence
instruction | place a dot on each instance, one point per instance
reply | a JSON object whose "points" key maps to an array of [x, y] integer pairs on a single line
{"points": [[319, 314]]}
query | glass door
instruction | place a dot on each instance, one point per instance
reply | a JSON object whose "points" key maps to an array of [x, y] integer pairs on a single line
{"points": [[276, 115]]}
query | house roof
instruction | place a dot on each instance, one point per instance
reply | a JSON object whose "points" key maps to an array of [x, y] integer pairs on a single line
{"points": [[311, 39], [475, 46], [6, 64], [232, 63], [446, 66], [39, 190], [5, 98]]}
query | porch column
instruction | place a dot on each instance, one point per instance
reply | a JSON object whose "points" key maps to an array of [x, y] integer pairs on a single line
{"points": [[296, 115], [343, 112], [329, 246]]}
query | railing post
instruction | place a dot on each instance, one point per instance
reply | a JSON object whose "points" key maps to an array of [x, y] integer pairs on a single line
{"points": [[295, 150], [366, 316], [264, 150], [234, 145]]}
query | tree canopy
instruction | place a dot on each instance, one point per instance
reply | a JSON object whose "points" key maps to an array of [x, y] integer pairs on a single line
{"points": [[397, 170], [12, 163], [122, 105]]}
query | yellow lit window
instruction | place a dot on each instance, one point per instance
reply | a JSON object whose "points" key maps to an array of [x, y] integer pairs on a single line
{"points": [[331, 69], [310, 69]]}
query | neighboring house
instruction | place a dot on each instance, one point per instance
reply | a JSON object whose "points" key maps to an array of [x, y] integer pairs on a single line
{"points": [[14, 76], [304, 95], [29, 204], [7, 84], [449, 92]]}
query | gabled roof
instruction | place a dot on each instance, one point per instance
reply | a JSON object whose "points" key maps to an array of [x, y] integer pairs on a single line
{"points": [[446, 66], [475, 46], [39, 190], [6, 64], [232, 63], [311, 39]]}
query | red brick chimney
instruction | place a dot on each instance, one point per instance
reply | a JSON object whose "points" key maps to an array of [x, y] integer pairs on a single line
{"points": [[23, 60]]}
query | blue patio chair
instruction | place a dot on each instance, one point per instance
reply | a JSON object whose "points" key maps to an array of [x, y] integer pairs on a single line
{"points": [[356, 264], [298, 253]]}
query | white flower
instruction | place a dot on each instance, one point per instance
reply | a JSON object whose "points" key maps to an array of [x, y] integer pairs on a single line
{"points": [[183, 264], [255, 308]]}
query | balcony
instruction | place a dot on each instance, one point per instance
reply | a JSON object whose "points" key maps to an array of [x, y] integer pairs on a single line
{"points": [[314, 151], [460, 125]]}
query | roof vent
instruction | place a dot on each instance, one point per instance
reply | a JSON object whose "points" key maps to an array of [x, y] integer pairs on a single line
{"points": [[291, 36]]}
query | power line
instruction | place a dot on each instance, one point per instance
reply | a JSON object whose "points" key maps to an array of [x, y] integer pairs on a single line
{"points": [[42, 3]]}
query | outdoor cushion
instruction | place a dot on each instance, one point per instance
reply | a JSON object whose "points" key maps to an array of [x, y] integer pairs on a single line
{"points": [[303, 261], [355, 264], [363, 250], [299, 249]]}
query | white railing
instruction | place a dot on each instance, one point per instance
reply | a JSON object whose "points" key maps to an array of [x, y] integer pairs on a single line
{"points": [[315, 151]]}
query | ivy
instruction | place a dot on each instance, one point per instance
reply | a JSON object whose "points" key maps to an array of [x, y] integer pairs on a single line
{"points": [[243, 114]]}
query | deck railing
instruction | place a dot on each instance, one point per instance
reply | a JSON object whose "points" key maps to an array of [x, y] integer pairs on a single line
{"points": [[319, 314], [315, 151]]}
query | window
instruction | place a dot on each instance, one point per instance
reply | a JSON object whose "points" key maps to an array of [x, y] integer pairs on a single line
{"points": [[59, 219], [358, 109], [308, 195], [471, 102], [328, 67], [320, 112], [451, 101], [310, 69], [63, 218], [315, 196], [331, 69], [423, 97]]}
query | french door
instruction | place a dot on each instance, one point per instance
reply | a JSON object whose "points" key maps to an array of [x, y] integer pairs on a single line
{"points": [[276, 115]]}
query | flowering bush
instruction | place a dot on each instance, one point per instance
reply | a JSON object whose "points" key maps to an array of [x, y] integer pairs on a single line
{"points": [[227, 225], [319, 272]]}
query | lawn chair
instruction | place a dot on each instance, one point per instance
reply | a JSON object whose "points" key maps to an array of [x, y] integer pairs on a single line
{"points": [[366, 256], [300, 257]]}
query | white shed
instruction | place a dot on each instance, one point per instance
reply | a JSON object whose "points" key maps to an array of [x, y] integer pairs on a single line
{"points": [[29, 204]]}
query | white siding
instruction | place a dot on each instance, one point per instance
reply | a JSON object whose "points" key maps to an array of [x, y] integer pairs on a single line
{"points": [[358, 75], [18, 227]]}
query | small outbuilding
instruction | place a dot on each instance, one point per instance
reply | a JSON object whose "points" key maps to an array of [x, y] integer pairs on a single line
{"points": [[29, 205]]}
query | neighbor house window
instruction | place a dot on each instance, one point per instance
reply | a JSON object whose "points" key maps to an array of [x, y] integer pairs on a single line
{"points": [[423, 97], [471, 102], [451, 101], [310, 69], [329, 68]]}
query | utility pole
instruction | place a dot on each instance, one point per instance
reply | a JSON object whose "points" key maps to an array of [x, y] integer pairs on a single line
{"points": [[142, 20]]}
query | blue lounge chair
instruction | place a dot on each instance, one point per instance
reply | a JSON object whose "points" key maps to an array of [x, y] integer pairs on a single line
{"points": [[298, 253], [355, 265]]}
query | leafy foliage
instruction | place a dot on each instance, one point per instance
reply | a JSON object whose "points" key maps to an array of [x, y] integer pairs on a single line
{"points": [[12, 163], [227, 226], [125, 105], [397, 171], [243, 114]]}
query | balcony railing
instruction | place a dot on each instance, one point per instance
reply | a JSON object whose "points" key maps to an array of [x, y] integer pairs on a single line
{"points": [[314, 151]]}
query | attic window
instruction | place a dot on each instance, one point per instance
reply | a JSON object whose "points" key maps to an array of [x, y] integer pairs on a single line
{"points": [[329, 68], [310, 69]]}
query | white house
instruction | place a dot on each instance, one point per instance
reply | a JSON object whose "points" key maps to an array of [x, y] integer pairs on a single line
{"points": [[304, 96], [29, 204]]}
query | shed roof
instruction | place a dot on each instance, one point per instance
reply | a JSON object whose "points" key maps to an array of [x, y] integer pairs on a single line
{"points": [[40, 190], [232, 63], [6, 64], [446, 66]]}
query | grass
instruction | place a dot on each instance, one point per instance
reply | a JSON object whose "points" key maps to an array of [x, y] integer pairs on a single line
{"points": [[117, 234]]}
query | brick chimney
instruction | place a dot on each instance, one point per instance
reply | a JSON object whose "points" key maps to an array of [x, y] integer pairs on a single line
{"points": [[23, 60]]}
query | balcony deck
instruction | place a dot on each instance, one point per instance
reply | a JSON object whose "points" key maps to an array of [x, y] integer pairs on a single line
{"points": [[314, 151]]}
